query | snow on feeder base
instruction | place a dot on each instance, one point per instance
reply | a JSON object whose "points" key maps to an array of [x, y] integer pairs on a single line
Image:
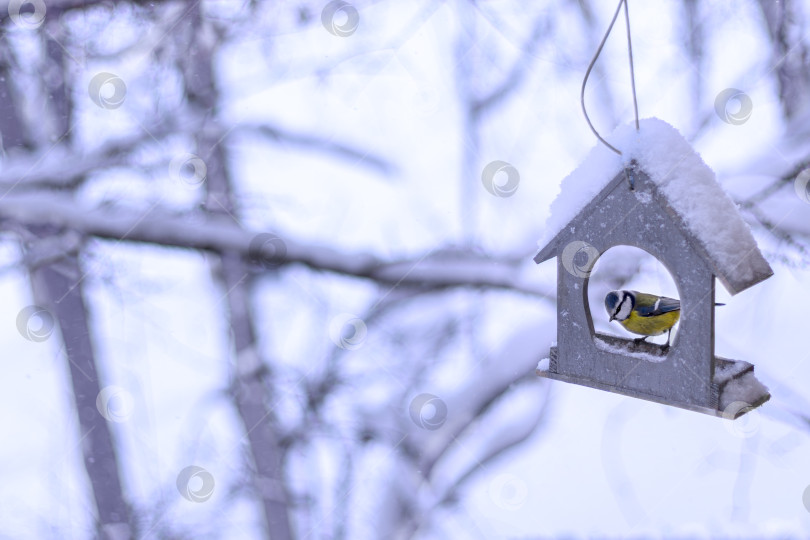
{"points": [[667, 202], [733, 390]]}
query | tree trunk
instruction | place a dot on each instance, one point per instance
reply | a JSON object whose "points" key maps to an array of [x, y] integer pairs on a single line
{"points": [[252, 377], [790, 55], [57, 284]]}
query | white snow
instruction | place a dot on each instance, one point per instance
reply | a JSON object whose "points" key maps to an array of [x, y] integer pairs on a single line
{"points": [[725, 370], [624, 351], [543, 364], [745, 389], [687, 183]]}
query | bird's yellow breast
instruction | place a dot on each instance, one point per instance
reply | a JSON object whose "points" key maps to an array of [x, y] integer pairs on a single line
{"points": [[651, 326]]}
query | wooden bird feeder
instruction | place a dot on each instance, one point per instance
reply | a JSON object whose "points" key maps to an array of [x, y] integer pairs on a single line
{"points": [[666, 202]]}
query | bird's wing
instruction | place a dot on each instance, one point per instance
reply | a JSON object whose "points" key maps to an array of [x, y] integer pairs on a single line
{"points": [[659, 307]]}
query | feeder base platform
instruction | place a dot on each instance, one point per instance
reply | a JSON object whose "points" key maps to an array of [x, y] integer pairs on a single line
{"points": [[736, 391]]}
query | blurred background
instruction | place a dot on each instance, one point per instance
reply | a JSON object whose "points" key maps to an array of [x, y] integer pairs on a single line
{"points": [[258, 280]]}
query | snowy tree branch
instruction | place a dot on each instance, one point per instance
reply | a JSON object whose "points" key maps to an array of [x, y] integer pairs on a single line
{"points": [[57, 167], [165, 229], [504, 439], [516, 360], [55, 8]]}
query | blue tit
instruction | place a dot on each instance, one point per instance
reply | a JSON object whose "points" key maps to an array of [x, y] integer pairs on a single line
{"points": [[645, 314]]}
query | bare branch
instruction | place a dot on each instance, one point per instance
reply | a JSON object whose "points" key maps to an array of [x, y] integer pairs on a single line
{"points": [[785, 180], [517, 73], [778, 231], [325, 145]]}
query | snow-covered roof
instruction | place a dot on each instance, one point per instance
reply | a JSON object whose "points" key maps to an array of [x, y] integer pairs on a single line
{"points": [[688, 185]]}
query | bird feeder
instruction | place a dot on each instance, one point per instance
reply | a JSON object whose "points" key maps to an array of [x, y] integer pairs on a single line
{"points": [[661, 197]]}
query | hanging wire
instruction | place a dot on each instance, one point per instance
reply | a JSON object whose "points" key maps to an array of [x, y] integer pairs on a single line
{"points": [[632, 72], [630, 54]]}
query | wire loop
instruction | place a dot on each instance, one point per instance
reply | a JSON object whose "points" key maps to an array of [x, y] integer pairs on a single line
{"points": [[632, 73]]}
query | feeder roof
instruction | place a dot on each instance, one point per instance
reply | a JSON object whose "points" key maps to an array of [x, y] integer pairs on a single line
{"points": [[689, 187]]}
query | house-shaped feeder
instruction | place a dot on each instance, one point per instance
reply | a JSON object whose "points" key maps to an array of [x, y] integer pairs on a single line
{"points": [[661, 197]]}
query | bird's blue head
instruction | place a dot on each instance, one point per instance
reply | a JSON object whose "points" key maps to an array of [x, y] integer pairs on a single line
{"points": [[619, 304]]}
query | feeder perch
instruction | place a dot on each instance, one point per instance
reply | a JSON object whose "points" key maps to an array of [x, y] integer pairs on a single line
{"points": [[662, 198]]}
